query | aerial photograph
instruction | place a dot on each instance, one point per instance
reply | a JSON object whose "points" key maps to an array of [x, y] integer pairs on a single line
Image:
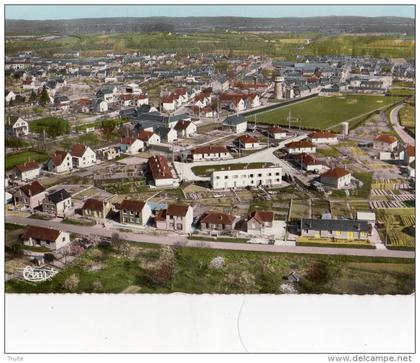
{"points": [[160, 151]]}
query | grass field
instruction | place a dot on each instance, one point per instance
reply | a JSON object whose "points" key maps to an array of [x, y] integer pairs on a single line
{"points": [[206, 170], [13, 159], [406, 116], [106, 271], [325, 112]]}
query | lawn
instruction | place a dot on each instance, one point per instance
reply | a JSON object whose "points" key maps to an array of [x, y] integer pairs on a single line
{"points": [[325, 112], [206, 170], [53, 126], [364, 191], [406, 117], [13, 159]]}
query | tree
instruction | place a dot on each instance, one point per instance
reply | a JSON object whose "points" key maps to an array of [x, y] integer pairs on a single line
{"points": [[33, 96], [72, 282], [115, 240], [45, 97]]}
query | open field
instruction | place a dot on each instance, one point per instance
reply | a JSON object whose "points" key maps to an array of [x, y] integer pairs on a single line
{"points": [[399, 227], [206, 170], [13, 159], [406, 117], [146, 268], [325, 112]]}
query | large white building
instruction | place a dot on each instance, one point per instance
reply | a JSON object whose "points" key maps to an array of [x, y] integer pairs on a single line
{"points": [[226, 179]]}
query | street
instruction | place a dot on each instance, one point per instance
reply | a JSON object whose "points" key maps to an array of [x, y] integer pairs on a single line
{"points": [[405, 137]]}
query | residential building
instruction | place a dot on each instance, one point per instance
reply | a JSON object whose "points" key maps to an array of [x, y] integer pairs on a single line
{"points": [[16, 126], [300, 147], [227, 179], [57, 203], [217, 221], [335, 228], [385, 143], [108, 152], [27, 171], [248, 142], [261, 223], [30, 195], [149, 137], [177, 218], [309, 163], [236, 123], [131, 145], [166, 134], [135, 212], [96, 208], [45, 237], [410, 154], [83, 156], [185, 129], [159, 172], [336, 177], [323, 137], [60, 162], [210, 153], [277, 133]]}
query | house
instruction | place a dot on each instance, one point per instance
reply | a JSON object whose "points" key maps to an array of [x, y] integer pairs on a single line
{"points": [[57, 203], [185, 128], [16, 126], [277, 133], [248, 142], [236, 123], [217, 221], [100, 105], [10, 96], [242, 178], [108, 152], [336, 177], [369, 217], [261, 223], [323, 137], [167, 134], [45, 237], [62, 102], [27, 171], [252, 101], [410, 154], [30, 195], [220, 85], [83, 156], [335, 228], [159, 172], [176, 217], [96, 208], [169, 103], [309, 163], [210, 153], [131, 145], [149, 137], [385, 143], [300, 147], [60, 162], [135, 212]]}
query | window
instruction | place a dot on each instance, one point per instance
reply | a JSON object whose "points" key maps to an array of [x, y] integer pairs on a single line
{"points": [[269, 174], [226, 176], [277, 174], [259, 175], [217, 177], [64, 238]]}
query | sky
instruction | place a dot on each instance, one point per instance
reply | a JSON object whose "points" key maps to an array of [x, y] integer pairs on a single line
{"points": [[44, 12]]}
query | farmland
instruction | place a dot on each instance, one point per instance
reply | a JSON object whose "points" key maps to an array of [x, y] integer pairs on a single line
{"points": [[325, 112]]}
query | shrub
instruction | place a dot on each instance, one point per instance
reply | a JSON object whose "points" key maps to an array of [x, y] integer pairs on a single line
{"points": [[318, 272], [72, 282]]}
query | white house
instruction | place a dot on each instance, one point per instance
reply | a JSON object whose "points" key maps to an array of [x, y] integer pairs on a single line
{"points": [[309, 163], [410, 154], [149, 137], [277, 133], [300, 147], [260, 223], [100, 105], [57, 203], [83, 156], [60, 162], [131, 145], [177, 218], [237, 123], [11, 96], [337, 178], [385, 142], [169, 103], [210, 153], [159, 172], [17, 126], [27, 171], [30, 195], [45, 237], [248, 142], [323, 137], [226, 179], [185, 129]]}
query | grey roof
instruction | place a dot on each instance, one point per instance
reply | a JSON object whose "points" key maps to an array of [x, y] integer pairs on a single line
{"points": [[234, 120], [59, 196], [335, 225], [157, 117]]}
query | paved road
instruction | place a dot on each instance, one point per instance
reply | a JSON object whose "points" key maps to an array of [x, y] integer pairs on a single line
{"points": [[408, 139], [174, 239], [264, 155]]}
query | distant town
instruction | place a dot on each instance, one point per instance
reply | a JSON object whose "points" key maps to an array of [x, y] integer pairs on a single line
{"points": [[126, 169]]}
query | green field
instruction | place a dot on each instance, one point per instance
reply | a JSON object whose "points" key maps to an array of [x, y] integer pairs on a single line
{"points": [[325, 112], [406, 117], [20, 158], [206, 170]]}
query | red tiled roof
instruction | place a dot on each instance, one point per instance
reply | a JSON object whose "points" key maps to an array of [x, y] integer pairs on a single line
{"points": [[93, 204], [209, 150], [58, 157], [261, 216], [247, 139], [78, 150], [32, 189], [388, 139], [411, 150], [250, 85], [299, 144], [322, 135], [276, 130], [132, 205], [169, 99], [177, 210], [182, 125], [336, 173], [217, 218], [307, 159], [145, 135], [159, 167], [30, 165], [128, 140], [40, 233]]}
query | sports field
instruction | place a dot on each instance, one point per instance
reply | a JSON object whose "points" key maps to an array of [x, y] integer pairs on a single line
{"points": [[324, 112]]}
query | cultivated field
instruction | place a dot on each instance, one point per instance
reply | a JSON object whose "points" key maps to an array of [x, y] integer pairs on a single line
{"points": [[325, 112]]}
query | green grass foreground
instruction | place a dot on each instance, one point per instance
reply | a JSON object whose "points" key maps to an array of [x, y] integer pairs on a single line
{"points": [[14, 159]]}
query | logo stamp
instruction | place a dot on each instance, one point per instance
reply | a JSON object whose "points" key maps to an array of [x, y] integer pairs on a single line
{"points": [[38, 274]]}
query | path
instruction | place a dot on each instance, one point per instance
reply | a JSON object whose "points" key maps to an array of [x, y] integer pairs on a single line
{"points": [[405, 137], [176, 239]]}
